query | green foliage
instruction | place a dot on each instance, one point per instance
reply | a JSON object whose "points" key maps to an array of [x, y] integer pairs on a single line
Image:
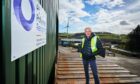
{"points": [[134, 40]]}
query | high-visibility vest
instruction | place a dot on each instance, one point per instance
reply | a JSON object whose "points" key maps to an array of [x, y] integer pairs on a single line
{"points": [[93, 44]]}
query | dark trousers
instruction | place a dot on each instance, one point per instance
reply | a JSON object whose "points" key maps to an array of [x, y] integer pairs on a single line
{"points": [[94, 71]]}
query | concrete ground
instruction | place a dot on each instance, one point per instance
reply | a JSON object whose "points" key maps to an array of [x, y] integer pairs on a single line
{"points": [[129, 62]]}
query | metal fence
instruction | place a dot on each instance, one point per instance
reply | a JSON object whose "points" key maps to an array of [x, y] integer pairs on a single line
{"points": [[35, 67]]}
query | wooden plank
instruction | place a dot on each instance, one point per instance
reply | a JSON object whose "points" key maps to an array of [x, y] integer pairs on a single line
{"points": [[79, 59], [78, 63], [98, 63], [111, 65], [75, 57], [101, 71], [102, 81], [73, 76], [99, 68]]}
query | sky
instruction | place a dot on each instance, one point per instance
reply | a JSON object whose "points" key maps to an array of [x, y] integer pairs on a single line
{"points": [[114, 16]]}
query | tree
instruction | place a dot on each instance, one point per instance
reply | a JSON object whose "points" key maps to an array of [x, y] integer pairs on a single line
{"points": [[133, 43]]}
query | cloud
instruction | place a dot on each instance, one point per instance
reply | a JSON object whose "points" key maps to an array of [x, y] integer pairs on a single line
{"points": [[72, 8], [77, 3], [115, 21], [106, 3], [135, 7], [92, 2], [119, 21], [124, 23]]}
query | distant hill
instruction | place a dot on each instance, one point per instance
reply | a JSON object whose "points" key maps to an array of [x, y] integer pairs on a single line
{"points": [[104, 36], [80, 35]]}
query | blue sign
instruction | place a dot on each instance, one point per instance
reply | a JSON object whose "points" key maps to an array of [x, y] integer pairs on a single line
{"points": [[27, 24]]}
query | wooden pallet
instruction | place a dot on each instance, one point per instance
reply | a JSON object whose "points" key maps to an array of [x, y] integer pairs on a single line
{"points": [[69, 70]]}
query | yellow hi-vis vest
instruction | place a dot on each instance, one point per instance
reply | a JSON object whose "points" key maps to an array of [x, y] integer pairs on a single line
{"points": [[93, 44]]}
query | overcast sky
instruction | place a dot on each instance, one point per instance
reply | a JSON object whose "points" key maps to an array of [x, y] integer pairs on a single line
{"points": [[115, 16]]}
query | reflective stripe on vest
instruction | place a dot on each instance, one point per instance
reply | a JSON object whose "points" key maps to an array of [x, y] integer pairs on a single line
{"points": [[93, 44]]}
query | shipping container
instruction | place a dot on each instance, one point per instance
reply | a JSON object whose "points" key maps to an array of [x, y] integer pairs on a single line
{"points": [[37, 66]]}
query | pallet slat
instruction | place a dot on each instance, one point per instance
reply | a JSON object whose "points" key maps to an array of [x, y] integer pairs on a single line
{"points": [[101, 71], [99, 68], [102, 81], [71, 76]]}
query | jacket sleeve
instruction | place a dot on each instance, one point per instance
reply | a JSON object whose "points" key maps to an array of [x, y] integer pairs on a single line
{"points": [[100, 50]]}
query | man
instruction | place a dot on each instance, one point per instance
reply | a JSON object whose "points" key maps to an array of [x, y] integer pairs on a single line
{"points": [[91, 46]]}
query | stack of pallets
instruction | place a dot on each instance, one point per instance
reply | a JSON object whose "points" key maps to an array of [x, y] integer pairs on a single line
{"points": [[69, 70]]}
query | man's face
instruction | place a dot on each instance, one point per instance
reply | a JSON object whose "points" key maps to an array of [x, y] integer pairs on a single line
{"points": [[88, 32]]}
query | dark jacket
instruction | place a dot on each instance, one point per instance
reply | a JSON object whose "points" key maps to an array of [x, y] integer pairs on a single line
{"points": [[86, 51]]}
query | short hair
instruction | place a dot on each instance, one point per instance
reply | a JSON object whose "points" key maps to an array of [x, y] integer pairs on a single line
{"points": [[88, 28]]}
